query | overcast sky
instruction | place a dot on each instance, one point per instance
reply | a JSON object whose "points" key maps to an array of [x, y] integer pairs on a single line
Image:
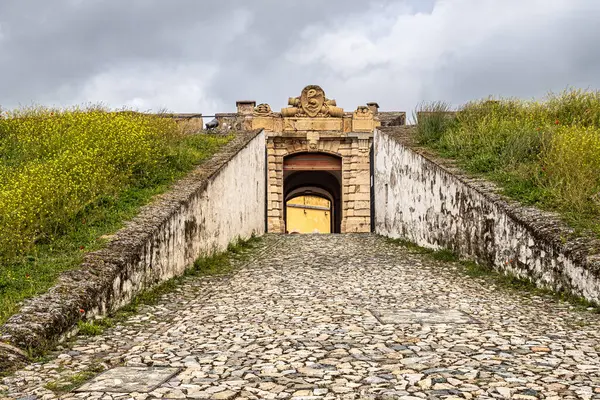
{"points": [[203, 55]]}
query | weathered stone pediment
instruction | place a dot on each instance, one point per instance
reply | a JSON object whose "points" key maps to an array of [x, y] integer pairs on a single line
{"points": [[313, 111]]}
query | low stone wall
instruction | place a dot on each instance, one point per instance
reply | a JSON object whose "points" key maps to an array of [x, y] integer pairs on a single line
{"points": [[221, 200], [188, 123], [392, 118], [428, 201]]}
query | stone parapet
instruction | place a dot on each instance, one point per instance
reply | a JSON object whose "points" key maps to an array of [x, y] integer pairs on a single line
{"points": [[188, 123], [391, 118], [200, 215], [312, 111], [430, 201]]}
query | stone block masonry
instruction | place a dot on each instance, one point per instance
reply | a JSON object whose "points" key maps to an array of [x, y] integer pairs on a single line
{"points": [[221, 200], [314, 124], [355, 175], [429, 202]]}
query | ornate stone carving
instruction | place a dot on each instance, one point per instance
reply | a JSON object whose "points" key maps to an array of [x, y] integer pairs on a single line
{"points": [[312, 100], [313, 111], [313, 140], [312, 103], [262, 109], [363, 112], [363, 145], [363, 119]]}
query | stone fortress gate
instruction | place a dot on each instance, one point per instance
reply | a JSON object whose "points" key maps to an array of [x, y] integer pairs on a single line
{"points": [[316, 148]]}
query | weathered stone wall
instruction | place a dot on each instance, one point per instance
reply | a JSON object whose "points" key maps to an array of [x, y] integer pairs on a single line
{"points": [[233, 121], [222, 200], [427, 201], [188, 123], [392, 118]]}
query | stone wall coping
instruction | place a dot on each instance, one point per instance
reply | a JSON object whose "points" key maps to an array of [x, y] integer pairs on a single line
{"points": [[543, 225], [391, 113], [360, 135], [184, 115]]}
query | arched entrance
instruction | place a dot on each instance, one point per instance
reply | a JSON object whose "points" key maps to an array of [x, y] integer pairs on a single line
{"points": [[324, 148], [316, 175]]}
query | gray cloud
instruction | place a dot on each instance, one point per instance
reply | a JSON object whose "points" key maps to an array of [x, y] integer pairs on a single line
{"points": [[202, 56]]}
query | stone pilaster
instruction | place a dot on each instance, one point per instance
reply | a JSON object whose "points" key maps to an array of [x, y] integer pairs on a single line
{"points": [[275, 187], [357, 187], [314, 123]]}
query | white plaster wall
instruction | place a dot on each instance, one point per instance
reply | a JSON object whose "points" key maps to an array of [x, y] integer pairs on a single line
{"points": [[419, 201], [231, 206]]}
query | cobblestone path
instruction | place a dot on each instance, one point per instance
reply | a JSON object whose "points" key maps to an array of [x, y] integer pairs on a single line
{"points": [[335, 317]]}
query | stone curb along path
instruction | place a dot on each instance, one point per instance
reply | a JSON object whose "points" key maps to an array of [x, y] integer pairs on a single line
{"points": [[333, 317]]}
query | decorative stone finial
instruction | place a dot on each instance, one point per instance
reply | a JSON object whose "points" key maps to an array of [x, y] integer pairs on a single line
{"points": [[262, 109], [363, 112], [362, 119]]}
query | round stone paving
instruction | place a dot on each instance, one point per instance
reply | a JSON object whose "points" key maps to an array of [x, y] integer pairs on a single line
{"points": [[334, 317]]}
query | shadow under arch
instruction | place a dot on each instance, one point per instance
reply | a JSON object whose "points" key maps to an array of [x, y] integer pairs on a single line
{"points": [[314, 174]]}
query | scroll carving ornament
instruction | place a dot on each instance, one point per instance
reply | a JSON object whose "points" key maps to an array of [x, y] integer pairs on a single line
{"points": [[363, 112], [312, 103], [262, 110]]}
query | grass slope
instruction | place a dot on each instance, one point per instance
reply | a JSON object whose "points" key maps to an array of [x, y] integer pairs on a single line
{"points": [[545, 154], [51, 235]]}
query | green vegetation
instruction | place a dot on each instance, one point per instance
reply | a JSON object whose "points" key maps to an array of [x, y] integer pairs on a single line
{"points": [[544, 153], [94, 327], [438, 255], [436, 119], [512, 282], [66, 385], [70, 178]]}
